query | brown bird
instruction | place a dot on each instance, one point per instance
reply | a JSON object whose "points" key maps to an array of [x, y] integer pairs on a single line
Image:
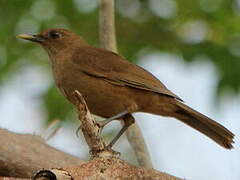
{"points": [[114, 88]]}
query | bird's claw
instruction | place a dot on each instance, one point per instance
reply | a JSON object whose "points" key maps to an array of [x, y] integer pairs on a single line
{"points": [[77, 131]]}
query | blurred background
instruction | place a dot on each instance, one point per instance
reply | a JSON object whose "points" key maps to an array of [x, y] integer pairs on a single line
{"points": [[193, 47]]}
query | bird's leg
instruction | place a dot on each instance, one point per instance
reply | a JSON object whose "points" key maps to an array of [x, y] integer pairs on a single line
{"points": [[128, 121], [124, 128], [105, 122]]}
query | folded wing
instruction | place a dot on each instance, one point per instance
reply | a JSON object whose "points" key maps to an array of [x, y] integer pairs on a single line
{"points": [[116, 70]]}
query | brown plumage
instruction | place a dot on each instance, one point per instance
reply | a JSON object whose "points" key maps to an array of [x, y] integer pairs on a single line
{"points": [[114, 86]]}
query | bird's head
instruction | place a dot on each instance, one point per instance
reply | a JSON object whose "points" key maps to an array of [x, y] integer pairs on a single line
{"points": [[55, 40]]}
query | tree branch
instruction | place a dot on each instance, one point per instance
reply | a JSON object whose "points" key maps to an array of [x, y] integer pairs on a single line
{"points": [[108, 41], [89, 127], [107, 25], [21, 155], [92, 131]]}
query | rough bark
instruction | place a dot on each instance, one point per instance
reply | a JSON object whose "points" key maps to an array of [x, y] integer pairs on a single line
{"points": [[21, 155], [89, 127], [12, 178], [108, 41], [115, 168]]}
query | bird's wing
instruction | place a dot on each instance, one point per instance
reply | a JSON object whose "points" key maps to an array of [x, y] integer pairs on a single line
{"points": [[116, 70]]}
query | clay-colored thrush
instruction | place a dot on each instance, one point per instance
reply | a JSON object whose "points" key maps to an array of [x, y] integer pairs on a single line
{"points": [[114, 88]]}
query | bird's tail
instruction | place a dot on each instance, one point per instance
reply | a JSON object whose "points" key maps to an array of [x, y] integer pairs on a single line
{"points": [[205, 125]]}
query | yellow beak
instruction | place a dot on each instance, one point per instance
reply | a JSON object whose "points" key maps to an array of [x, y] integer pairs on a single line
{"points": [[25, 36], [34, 38]]}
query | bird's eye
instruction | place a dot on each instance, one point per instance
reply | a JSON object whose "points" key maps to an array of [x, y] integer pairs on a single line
{"points": [[54, 34]]}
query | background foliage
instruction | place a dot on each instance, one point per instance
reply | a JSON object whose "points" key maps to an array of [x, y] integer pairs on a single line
{"points": [[189, 29]]}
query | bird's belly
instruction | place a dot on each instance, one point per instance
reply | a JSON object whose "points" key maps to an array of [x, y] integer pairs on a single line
{"points": [[103, 99]]}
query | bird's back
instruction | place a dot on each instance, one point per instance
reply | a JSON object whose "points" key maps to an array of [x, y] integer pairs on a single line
{"points": [[116, 69]]}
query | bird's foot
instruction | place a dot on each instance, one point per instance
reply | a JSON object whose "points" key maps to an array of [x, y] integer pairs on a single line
{"points": [[77, 131]]}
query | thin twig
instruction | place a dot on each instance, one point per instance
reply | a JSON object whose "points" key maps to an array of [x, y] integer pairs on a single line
{"points": [[137, 142], [108, 41], [89, 126], [107, 25], [92, 131], [51, 130]]}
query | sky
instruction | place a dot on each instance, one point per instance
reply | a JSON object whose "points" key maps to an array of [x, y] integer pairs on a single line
{"points": [[174, 147]]}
